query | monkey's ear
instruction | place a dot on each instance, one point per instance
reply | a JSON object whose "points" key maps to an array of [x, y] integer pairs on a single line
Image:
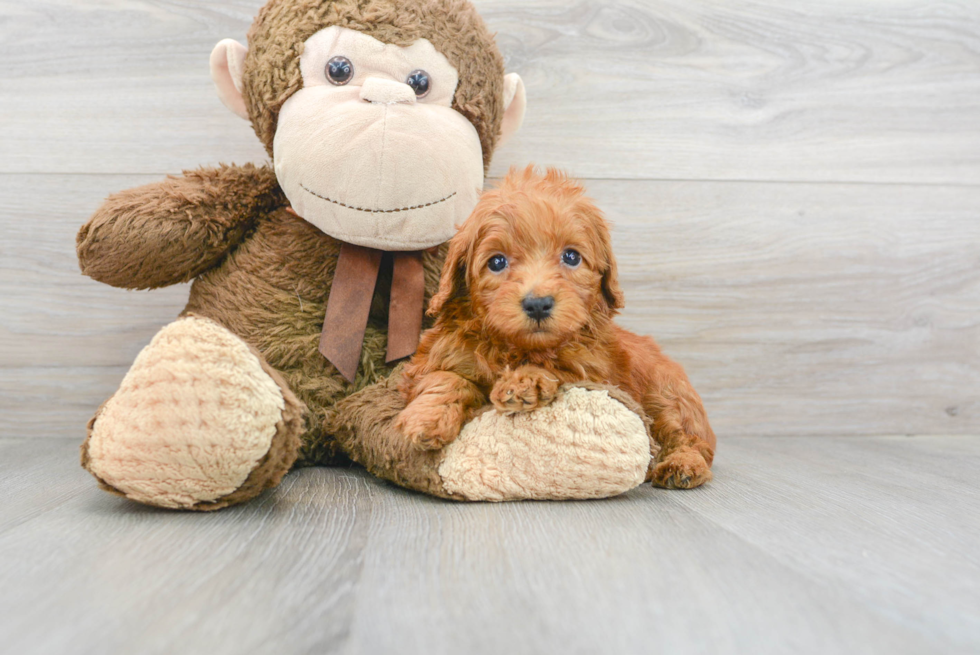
{"points": [[227, 67], [515, 103]]}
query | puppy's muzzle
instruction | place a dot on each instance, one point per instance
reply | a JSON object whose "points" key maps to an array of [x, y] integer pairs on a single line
{"points": [[536, 308]]}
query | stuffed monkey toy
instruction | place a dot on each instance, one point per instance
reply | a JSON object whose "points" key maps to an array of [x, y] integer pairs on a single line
{"points": [[310, 276]]}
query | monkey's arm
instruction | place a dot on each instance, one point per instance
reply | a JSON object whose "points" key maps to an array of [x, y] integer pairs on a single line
{"points": [[171, 231]]}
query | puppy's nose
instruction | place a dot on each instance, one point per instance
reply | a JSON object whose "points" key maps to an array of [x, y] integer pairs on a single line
{"points": [[538, 308]]}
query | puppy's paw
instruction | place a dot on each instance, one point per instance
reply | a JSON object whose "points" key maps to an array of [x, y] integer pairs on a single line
{"points": [[685, 468], [523, 390], [429, 426]]}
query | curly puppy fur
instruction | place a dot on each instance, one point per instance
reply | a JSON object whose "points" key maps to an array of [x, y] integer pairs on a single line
{"points": [[487, 342]]}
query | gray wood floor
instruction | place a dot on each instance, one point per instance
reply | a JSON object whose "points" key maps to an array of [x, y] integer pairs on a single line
{"points": [[802, 545]]}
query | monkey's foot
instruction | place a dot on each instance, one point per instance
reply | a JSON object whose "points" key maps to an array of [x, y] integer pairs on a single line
{"points": [[588, 443], [200, 422]]}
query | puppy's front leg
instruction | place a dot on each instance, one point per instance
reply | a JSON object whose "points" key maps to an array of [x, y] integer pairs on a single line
{"points": [[524, 389], [442, 403]]}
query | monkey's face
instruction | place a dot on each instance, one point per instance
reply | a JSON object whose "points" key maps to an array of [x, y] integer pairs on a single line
{"points": [[370, 150]]}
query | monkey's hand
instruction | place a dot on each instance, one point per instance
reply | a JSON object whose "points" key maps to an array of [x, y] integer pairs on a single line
{"points": [[524, 389], [172, 231]]}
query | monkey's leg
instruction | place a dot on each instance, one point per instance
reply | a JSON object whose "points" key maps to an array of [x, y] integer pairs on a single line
{"points": [[199, 422], [589, 443]]}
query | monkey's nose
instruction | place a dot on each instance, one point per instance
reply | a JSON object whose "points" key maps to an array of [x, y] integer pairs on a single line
{"points": [[386, 92], [536, 308]]}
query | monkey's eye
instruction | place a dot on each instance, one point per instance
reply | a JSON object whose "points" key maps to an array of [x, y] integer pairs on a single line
{"points": [[497, 263], [339, 71], [571, 258], [419, 81]]}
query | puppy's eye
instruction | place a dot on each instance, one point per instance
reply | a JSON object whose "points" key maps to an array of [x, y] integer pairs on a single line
{"points": [[497, 263], [571, 258], [339, 71], [419, 81]]}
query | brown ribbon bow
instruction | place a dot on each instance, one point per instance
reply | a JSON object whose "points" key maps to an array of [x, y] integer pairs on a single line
{"points": [[349, 304]]}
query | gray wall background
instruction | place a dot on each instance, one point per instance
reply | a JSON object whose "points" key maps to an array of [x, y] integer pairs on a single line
{"points": [[795, 188]]}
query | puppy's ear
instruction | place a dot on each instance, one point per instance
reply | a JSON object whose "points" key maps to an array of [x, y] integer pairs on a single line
{"points": [[612, 293], [452, 283], [611, 290]]}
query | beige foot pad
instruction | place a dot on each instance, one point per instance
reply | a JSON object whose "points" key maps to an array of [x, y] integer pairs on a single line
{"points": [[584, 445], [192, 419]]}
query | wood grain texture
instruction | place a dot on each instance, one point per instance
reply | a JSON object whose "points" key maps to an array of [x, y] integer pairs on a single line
{"points": [[799, 545], [795, 193], [809, 309], [831, 308], [796, 308], [673, 89], [53, 315]]}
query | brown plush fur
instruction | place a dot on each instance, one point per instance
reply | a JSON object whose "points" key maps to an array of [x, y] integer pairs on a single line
{"points": [[268, 283], [454, 27], [172, 231], [269, 286], [258, 270], [484, 344], [272, 292]]}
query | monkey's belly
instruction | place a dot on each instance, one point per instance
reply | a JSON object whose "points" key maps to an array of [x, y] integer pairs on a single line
{"points": [[272, 293]]}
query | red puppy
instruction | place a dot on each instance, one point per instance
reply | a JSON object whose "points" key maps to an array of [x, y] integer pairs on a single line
{"points": [[525, 304]]}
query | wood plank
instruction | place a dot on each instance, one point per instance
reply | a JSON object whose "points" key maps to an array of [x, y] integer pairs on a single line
{"points": [[809, 309], [796, 308], [876, 516], [714, 89], [805, 545], [43, 402], [627, 576], [52, 314], [36, 476], [118, 87], [138, 579]]}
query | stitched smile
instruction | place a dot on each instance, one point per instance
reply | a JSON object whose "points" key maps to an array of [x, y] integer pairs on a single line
{"points": [[377, 211]]}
